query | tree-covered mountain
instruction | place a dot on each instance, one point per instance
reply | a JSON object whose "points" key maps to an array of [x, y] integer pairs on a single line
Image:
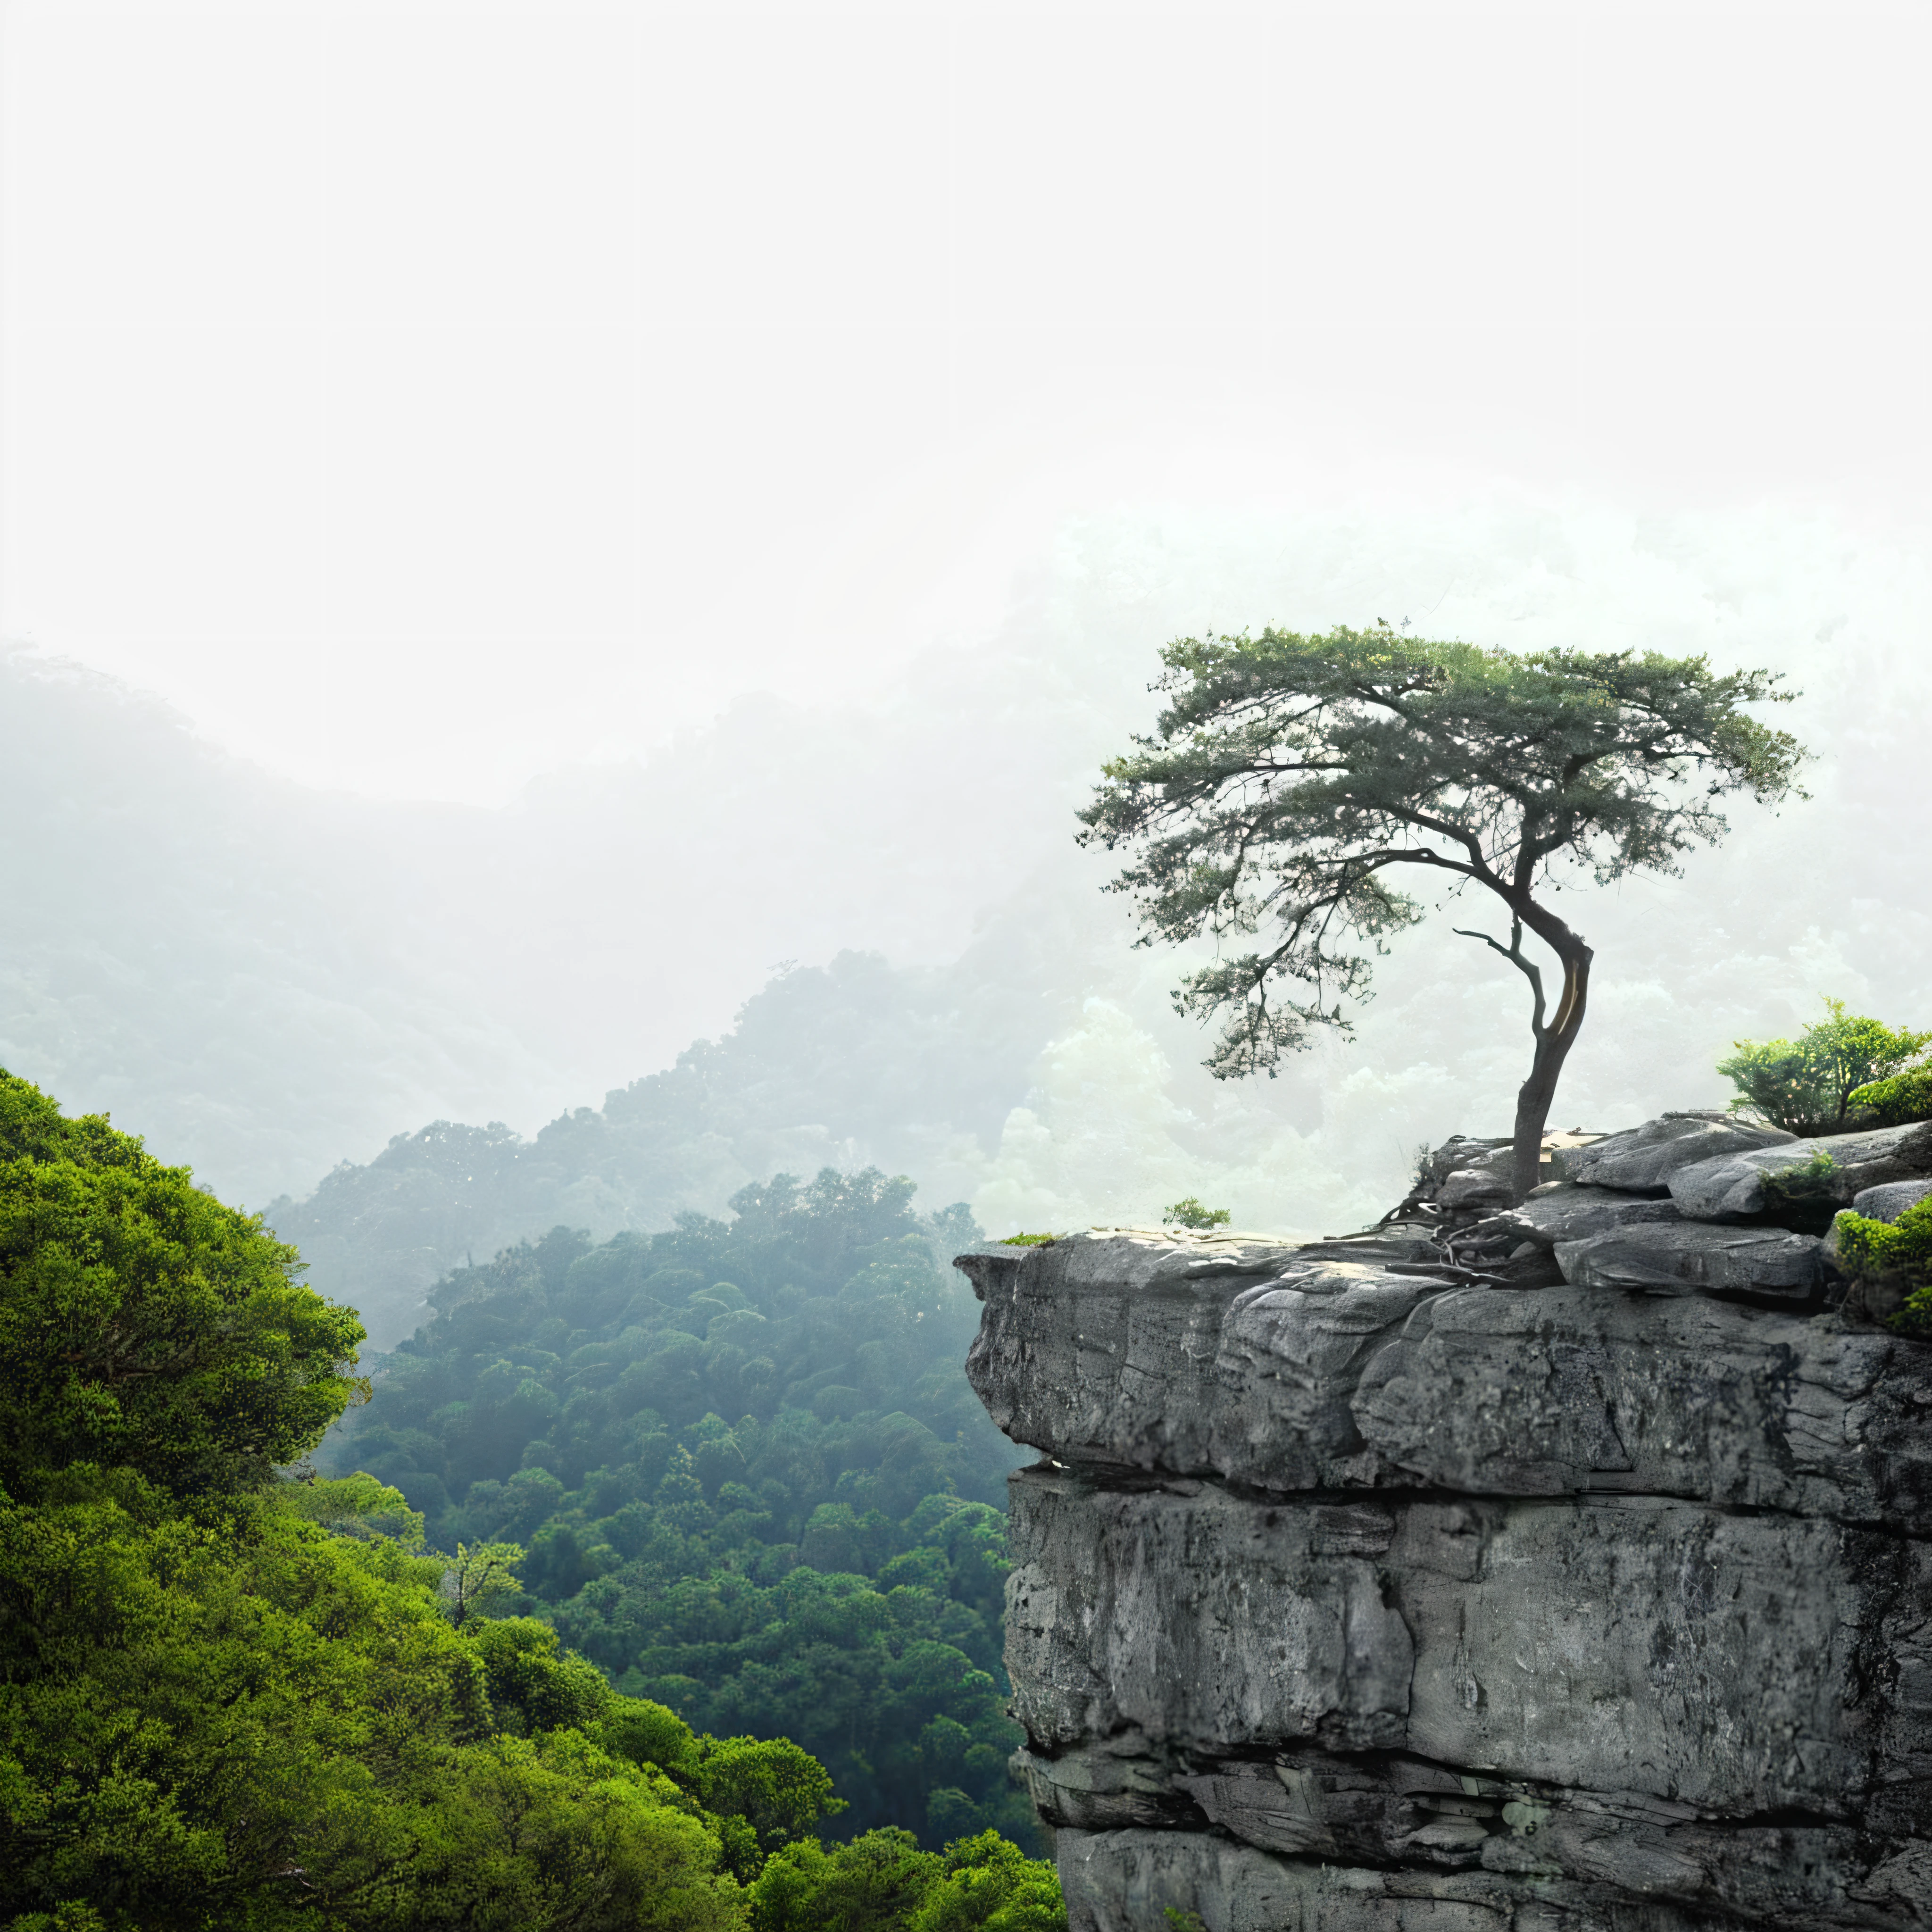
{"points": [[752, 1482], [231, 1701], [855, 1063]]}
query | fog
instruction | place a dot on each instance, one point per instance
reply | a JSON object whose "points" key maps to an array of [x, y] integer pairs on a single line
{"points": [[523, 529]]}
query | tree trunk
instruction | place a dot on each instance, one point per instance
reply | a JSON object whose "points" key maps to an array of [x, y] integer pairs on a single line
{"points": [[1536, 1095]]}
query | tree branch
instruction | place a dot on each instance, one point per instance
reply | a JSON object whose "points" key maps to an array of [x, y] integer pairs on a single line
{"points": [[1513, 953]]}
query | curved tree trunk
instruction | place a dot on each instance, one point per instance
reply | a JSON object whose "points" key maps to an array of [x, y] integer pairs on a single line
{"points": [[1553, 1042]]}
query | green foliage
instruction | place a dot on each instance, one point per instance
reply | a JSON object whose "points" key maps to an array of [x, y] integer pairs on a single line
{"points": [[560, 1367], [1802, 1198], [893, 1681], [1190, 1214], [1029, 1240], [829, 1568], [642, 1733], [1893, 1102], [882, 1880], [190, 1712], [142, 1323], [1292, 779], [229, 1703], [986, 1884], [778, 1791], [352, 1505], [534, 1684], [1816, 1084], [1900, 1250], [482, 1578]]}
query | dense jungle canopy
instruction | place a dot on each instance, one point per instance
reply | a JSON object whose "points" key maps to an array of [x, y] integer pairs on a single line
{"points": [[235, 1693]]}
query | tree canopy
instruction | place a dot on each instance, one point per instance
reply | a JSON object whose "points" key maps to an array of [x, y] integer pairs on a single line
{"points": [[752, 1481], [231, 1697], [145, 1324], [1297, 789]]}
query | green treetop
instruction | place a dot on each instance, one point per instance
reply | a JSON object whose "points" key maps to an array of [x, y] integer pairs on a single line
{"points": [[145, 1325], [228, 1702], [1295, 785]]}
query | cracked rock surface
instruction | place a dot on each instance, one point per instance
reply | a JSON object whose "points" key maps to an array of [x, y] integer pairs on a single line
{"points": [[1351, 1597]]}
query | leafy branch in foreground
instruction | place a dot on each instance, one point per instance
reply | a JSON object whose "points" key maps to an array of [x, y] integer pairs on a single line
{"points": [[1296, 787]]}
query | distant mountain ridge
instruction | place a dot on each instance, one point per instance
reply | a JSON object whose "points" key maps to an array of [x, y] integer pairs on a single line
{"points": [[841, 1065]]}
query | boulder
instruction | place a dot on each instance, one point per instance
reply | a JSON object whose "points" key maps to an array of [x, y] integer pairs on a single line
{"points": [[1564, 1210], [1731, 1186], [1889, 1200], [1476, 1187], [1642, 1160], [1692, 1258]]}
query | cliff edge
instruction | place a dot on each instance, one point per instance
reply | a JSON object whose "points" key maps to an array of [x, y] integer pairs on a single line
{"points": [[1376, 1585]]}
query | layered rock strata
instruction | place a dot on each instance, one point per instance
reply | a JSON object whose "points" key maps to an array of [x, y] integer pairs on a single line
{"points": [[1350, 1595]]}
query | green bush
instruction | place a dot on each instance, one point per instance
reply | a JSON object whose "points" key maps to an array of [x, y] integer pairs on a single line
{"points": [[1905, 1097], [1802, 1198], [1808, 1085], [1190, 1214], [1868, 1250]]}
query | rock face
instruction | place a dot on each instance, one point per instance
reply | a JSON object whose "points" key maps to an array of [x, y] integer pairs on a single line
{"points": [[1690, 1257], [1733, 1187], [1350, 1596], [1642, 1161]]}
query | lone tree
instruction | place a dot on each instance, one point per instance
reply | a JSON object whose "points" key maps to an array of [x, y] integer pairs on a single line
{"points": [[1294, 780]]}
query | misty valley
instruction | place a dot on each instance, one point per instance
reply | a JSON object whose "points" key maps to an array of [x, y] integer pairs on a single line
{"points": [[870, 1475], [964, 968]]}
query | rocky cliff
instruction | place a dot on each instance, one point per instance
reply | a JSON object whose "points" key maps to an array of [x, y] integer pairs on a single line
{"points": [[1555, 1569]]}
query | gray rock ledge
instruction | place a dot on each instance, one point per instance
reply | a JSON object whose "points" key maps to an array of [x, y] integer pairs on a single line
{"points": [[1693, 1257], [1731, 1187], [1642, 1161], [1284, 1370], [1358, 1598]]}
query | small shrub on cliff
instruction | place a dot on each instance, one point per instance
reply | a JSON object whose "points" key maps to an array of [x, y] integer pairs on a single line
{"points": [[1812, 1084], [1904, 1097], [1190, 1214], [1870, 1250], [1802, 1198]]}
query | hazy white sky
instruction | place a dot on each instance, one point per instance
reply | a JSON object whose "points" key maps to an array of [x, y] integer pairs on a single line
{"points": [[422, 396]]}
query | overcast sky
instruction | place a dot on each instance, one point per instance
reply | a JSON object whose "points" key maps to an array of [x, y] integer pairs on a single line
{"points": [[424, 396]]}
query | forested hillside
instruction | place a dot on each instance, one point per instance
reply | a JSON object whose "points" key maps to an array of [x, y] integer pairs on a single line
{"points": [[853, 1063], [237, 1697], [750, 1478]]}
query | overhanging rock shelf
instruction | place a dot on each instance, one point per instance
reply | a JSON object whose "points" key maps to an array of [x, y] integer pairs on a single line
{"points": [[1350, 1598]]}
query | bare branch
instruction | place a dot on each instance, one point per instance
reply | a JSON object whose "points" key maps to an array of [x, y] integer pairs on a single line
{"points": [[1528, 967]]}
